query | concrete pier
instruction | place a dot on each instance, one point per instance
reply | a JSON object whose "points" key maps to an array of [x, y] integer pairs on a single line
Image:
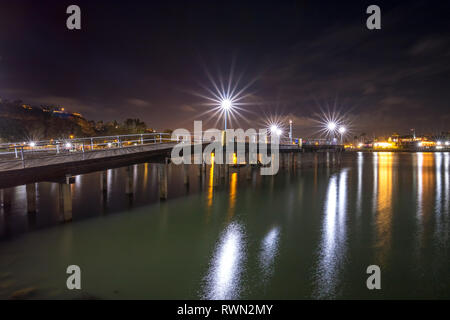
{"points": [[299, 160], [227, 170], [6, 198], [129, 180], [104, 181], [249, 172], [186, 174], [65, 201], [31, 197], [162, 180], [216, 175]]}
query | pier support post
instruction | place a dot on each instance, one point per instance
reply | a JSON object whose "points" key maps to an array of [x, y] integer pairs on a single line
{"points": [[186, 173], [249, 172], [104, 181], [328, 160], [65, 201], [221, 171], [289, 161], [227, 169], [31, 197], [216, 175], [129, 180], [7, 195], [162, 180]]}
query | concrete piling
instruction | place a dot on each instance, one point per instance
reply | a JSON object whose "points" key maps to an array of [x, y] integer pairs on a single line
{"points": [[7, 198], [186, 174], [31, 197], [104, 181], [129, 180], [162, 180], [65, 201], [249, 172]]}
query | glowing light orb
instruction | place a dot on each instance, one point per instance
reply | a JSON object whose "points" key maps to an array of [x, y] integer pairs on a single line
{"points": [[275, 130], [226, 104], [331, 126]]}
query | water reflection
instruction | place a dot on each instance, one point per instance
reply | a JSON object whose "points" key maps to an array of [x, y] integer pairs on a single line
{"points": [[224, 275], [438, 168], [375, 181], [233, 187], [447, 183], [360, 162], [425, 188], [211, 183], [384, 205], [269, 249], [333, 244]]}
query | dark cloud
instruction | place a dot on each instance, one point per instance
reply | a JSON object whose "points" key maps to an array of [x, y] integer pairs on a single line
{"points": [[144, 59]]}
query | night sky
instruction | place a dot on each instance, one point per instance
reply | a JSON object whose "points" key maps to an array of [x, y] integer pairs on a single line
{"points": [[147, 59]]}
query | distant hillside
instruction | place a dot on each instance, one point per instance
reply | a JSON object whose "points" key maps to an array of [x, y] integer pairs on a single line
{"points": [[22, 122]]}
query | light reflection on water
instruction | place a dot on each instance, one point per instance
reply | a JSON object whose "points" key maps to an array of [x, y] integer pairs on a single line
{"points": [[384, 205], [306, 233], [333, 245], [224, 275], [269, 250]]}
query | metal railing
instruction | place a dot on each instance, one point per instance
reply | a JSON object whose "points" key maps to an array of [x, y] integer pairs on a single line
{"points": [[22, 151]]}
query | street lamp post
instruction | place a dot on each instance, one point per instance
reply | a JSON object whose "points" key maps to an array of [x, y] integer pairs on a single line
{"points": [[342, 131], [226, 105], [290, 131], [331, 127]]}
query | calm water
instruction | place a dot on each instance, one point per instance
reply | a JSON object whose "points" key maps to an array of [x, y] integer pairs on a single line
{"points": [[304, 234]]}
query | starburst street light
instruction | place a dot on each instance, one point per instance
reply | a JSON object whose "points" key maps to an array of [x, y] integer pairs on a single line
{"points": [[342, 130], [331, 126], [274, 129], [226, 105], [225, 96]]}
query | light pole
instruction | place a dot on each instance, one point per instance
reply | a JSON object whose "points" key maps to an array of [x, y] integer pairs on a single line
{"points": [[275, 131], [290, 131], [342, 131], [331, 127], [226, 105]]}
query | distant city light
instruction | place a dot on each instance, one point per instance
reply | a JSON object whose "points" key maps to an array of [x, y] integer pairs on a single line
{"points": [[447, 143], [439, 143], [342, 130], [384, 145], [68, 145], [109, 145], [32, 144]]}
